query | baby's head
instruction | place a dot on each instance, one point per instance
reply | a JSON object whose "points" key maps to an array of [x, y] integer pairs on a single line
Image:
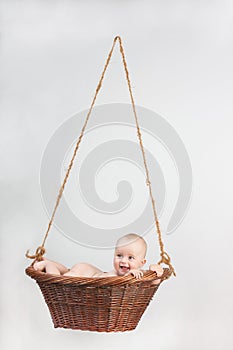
{"points": [[130, 252]]}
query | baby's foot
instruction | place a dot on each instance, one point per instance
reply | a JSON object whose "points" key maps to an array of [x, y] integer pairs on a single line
{"points": [[39, 265]]}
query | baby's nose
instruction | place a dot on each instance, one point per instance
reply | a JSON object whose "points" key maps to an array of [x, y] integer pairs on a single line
{"points": [[124, 259]]}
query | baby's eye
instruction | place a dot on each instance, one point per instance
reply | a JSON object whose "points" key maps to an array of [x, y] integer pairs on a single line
{"points": [[119, 255], [131, 257]]}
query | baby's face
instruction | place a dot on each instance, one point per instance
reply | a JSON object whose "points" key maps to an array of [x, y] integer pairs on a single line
{"points": [[128, 257]]}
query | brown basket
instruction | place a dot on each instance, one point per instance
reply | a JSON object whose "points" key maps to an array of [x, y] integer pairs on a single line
{"points": [[109, 304]]}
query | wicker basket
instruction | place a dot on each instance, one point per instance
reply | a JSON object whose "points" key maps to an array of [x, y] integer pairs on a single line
{"points": [[110, 304]]}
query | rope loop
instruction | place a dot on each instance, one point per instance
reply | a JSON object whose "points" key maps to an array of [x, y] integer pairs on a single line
{"points": [[165, 258], [40, 251]]}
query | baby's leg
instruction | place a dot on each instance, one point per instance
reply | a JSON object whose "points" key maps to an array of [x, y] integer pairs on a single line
{"points": [[50, 267], [82, 270]]}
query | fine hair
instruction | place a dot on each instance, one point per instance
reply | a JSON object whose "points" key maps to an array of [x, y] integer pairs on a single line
{"points": [[131, 238]]}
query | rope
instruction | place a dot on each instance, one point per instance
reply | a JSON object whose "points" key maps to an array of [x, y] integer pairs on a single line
{"points": [[41, 250], [165, 258]]}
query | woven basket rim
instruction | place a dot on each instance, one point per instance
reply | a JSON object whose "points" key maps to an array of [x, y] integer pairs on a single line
{"points": [[148, 276]]}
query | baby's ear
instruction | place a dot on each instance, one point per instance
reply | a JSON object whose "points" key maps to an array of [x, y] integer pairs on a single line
{"points": [[143, 261]]}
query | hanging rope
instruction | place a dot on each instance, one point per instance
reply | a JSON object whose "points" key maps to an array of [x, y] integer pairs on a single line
{"points": [[164, 256]]}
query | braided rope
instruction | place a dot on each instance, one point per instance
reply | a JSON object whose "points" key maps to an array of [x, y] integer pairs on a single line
{"points": [[41, 250], [165, 258]]}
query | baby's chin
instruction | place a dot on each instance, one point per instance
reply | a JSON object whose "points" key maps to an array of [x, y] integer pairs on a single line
{"points": [[122, 271]]}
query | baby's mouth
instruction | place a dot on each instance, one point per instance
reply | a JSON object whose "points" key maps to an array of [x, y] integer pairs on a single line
{"points": [[124, 268]]}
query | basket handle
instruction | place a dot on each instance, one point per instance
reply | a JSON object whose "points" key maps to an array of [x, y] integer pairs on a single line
{"points": [[165, 258]]}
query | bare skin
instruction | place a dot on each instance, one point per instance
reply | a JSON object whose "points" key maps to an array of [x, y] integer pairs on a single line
{"points": [[128, 259]]}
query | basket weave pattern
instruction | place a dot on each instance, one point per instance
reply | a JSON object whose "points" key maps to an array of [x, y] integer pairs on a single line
{"points": [[109, 304]]}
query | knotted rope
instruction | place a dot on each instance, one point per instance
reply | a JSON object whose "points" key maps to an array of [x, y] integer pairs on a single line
{"points": [[165, 258]]}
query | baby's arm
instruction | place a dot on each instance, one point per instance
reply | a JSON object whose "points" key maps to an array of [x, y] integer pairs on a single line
{"points": [[50, 266], [159, 271], [139, 273], [136, 273]]}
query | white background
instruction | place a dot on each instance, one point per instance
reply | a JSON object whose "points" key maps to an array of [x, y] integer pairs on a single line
{"points": [[180, 56]]}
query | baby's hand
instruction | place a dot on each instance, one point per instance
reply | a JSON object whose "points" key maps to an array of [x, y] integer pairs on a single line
{"points": [[159, 271], [136, 273], [156, 268]]}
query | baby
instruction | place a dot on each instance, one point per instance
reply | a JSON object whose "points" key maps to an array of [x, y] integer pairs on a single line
{"points": [[129, 258]]}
